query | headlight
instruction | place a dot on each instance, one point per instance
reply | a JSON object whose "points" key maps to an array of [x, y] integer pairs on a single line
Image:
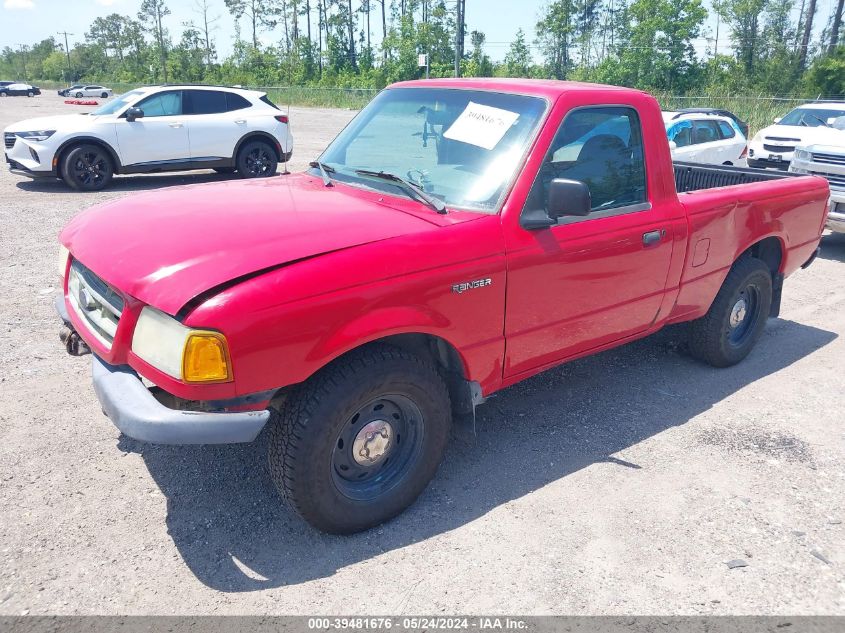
{"points": [[64, 255], [802, 154], [195, 356], [37, 135]]}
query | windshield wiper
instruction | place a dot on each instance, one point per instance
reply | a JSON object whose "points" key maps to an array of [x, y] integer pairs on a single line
{"points": [[408, 186], [824, 123], [324, 171]]}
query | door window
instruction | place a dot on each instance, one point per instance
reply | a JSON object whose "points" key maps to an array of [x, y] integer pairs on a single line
{"points": [[207, 101], [236, 102], [601, 147], [706, 132], [681, 133], [162, 104]]}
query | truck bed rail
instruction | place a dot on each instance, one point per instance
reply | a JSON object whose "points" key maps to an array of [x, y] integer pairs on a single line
{"points": [[695, 177]]}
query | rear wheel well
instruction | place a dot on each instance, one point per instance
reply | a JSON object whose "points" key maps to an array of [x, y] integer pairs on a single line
{"points": [[770, 252], [259, 136]]}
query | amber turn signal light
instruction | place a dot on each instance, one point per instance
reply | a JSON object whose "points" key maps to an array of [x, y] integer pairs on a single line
{"points": [[206, 358]]}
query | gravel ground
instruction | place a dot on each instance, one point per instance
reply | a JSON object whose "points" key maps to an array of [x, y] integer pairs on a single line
{"points": [[621, 483]]}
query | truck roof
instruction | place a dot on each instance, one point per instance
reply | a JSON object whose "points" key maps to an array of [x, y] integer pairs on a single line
{"points": [[549, 88]]}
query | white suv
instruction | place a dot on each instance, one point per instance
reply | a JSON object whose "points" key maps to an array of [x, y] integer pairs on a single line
{"points": [[155, 129]]}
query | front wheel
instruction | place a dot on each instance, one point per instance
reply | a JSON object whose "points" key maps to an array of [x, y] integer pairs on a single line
{"points": [[30, 94], [78, 95], [359, 442], [87, 168], [735, 321], [257, 160], [105, 95]]}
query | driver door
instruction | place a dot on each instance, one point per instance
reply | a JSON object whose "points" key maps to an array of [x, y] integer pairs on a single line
{"points": [[160, 136], [591, 280]]}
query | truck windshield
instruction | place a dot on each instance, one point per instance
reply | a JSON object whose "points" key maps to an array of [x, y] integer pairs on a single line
{"points": [[460, 146], [812, 117]]}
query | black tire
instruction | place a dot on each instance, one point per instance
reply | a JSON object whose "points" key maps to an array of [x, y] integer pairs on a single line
{"points": [[735, 321], [311, 439], [105, 95], [87, 167], [257, 159], [225, 170], [78, 95], [4, 94]]}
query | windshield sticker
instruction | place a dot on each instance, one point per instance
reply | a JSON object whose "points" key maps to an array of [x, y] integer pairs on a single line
{"points": [[481, 125]]}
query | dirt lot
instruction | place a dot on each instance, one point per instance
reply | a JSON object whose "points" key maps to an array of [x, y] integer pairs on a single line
{"points": [[622, 483]]}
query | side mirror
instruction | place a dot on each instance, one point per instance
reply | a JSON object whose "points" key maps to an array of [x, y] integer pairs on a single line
{"points": [[134, 113], [777, 119], [672, 146], [566, 198]]}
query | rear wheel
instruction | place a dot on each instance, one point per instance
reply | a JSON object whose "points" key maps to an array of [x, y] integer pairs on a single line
{"points": [[257, 160], [87, 168], [735, 321], [357, 443]]}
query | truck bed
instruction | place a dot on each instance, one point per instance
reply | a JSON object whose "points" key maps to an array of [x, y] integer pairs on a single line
{"points": [[695, 177]]}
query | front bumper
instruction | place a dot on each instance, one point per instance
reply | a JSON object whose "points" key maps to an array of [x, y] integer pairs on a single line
{"points": [[135, 411]]}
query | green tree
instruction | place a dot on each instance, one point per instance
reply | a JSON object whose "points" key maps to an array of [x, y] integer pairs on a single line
{"points": [[518, 58], [153, 12], [556, 33]]}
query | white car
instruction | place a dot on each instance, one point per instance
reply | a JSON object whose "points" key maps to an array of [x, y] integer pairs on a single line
{"points": [[705, 138], [154, 129], [90, 91], [826, 160], [805, 125]]}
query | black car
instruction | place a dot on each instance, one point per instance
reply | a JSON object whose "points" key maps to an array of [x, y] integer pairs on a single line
{"points": [[66, 92], [742, 124], [19, 90]]}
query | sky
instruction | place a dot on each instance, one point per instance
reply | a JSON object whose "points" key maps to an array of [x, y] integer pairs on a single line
{"points": [[29, 21]]}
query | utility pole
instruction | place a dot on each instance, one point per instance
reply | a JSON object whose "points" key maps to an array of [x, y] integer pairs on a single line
{"points": [[67, 52], [460, 8]]}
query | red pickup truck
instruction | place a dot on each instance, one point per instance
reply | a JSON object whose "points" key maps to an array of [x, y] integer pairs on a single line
{"points": [[457, 237]]}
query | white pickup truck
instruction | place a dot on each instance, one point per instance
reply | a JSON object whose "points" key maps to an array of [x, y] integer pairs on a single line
{"points": [[828, 161]]}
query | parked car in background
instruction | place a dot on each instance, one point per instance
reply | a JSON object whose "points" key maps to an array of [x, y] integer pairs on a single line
{"points": [[154, 129], [358, 309], [65, 92], [19, 90], [89, 91], [805, 125], [705, 138], [6, 83], [827, 161], [743, 126]]}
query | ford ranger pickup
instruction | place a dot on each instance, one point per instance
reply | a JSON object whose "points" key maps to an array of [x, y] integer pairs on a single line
{"points": [[457, 237]]}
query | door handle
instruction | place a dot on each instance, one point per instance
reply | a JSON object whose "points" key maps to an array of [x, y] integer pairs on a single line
{"points": [[653, 237], [240, 121], [175, 124]]}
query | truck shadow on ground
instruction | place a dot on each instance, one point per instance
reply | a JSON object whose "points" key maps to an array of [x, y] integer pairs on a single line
{"points": [[833, 247], [226, 519]]}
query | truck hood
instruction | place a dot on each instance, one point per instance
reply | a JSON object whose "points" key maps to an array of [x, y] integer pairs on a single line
{"points": [[60, 122], [167, 247], [806, 135]]}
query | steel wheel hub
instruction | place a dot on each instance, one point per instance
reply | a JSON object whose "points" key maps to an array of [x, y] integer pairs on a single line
{"points": [[372, 443], [738, 312]]}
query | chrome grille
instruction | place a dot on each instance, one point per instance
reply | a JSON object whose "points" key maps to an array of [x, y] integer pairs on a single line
{"points": [[837, 181], [94, 302], [9, 140], [830, 159]]}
